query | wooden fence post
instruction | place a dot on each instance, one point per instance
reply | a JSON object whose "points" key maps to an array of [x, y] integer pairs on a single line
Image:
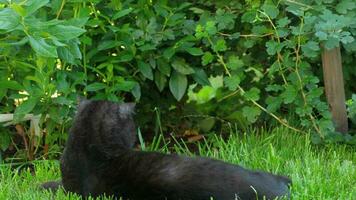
{"points": [[334, 87]]}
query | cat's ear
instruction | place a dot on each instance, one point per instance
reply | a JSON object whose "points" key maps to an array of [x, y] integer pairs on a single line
{"points": [[81, 99], [82, 102], [127, 109]]}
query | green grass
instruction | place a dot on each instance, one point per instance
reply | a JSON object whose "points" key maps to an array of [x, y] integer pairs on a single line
{"points": [[327, 172]]}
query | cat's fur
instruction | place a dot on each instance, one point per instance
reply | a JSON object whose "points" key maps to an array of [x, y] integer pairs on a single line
{"points": [[99, 159]]}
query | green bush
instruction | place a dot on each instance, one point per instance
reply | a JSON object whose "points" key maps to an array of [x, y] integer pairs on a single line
{"points": [[244, 62]]}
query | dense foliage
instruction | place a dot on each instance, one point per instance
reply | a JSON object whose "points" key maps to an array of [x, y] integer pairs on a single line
{"points": [[198, 62]]}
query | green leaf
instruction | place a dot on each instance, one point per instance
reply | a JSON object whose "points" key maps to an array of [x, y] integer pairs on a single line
{"points": [[283, 22], [273, 103], [321, 35], [168, 53], [163, 66], [345, 5], [251, 113], [204, 95], [271, 10], [211, 28], [273, 47], [32, 6], [178, 84], [122, 13], [200, 77], [181, 66], [289, 94], [63, 32], [331, 43], [225, 19], [253, 94], [95, 87], [160, 80], [12, 85], [108, 44], [9, 19], [249, 16], [5, 141], [124, 85], [136, 92], [25, 108], [19, 9], [274, 88], [216, 82], [42, 48], [65, 55], [232, 82], [311, 49], [145, 69], [234, 62], [220, 45], [207, 58], [195, 51]]}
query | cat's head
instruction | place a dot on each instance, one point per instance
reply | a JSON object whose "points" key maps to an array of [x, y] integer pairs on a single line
{"points": [[104, 127]]}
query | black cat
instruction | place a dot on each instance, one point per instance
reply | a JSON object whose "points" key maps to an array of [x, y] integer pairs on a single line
{"points": [[98, 159]]}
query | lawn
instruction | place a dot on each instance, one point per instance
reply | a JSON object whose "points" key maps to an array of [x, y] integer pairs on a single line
{"points": [[325, 172]]}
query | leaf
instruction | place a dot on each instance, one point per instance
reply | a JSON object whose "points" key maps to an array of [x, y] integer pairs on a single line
{"points": [[253, 94], [234, 62], [289, 94], [65, 55], [207, 58], [225, 20], [63, 32], [181, 66], [311, 49], [249, 16], [122, 13], [145, 69], [232, 82], [321, 35], [42, 48], [195, 51], [216, 82], [168, 53], [107, 44], [273, 47], [19, 9], [271, 10], [211, 28], [200, 77], [160, 80], [12, 85], [331, 43], [251, 113], [32, 6], [220, 45], [136, 92], [204, 95], [25, 108], [283, 22], [95, 87], [163, 66], [345, 5], [124, 85], [9, 19], [5, 140], [273, 103], [178, 85]]}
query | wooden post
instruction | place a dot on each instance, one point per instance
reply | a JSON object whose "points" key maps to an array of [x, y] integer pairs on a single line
{"points": [[334, 87]]}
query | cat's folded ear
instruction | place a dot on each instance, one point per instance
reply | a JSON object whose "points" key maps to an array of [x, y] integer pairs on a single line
{"points": [[127, 109]]}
